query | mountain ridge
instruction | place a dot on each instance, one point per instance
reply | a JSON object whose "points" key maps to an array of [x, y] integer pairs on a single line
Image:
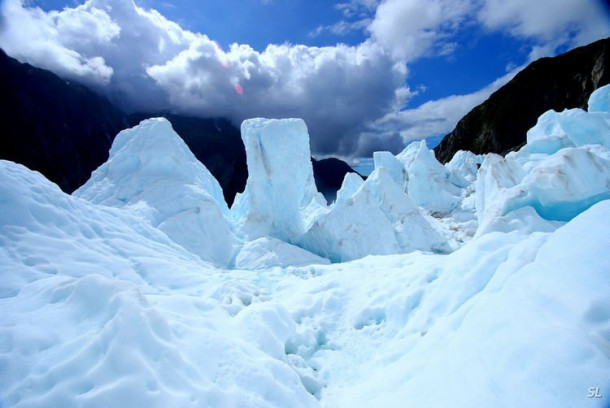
{"points": [[499, 125]]}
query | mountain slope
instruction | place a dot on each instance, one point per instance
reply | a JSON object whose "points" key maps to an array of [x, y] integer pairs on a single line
{"points": [[499, 124], [56, 127]]}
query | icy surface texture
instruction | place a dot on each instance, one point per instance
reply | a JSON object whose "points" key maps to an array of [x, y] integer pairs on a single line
{"points": [[377, 219], [599, 101], [562, 170], [152, 173], [101, 309], [269, 252], [280, 183], [504, 303], [429, 185], [463, 168], [393, 166]]}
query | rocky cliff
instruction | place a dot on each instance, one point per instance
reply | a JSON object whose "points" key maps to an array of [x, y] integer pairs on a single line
{"points": [[500, 124]]}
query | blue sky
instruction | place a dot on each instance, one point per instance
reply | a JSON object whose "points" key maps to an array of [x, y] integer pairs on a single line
{"points": [[365, 74]]}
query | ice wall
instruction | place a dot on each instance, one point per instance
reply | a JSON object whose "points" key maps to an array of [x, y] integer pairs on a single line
{"points": [[562, 170], [151, 172], [280, 185], [378, 218], [393, 166], [428, 180]]}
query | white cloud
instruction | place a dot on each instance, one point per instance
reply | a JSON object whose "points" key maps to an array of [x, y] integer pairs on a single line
{"points": [[357, 8], [48, 39], [152, 63], [357, 16], [337, 90], [413, 28], [575, 22], [433, 118], [350, 96], [342, 27]]}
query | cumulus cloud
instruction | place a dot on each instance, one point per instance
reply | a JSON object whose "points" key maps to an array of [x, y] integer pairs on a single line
{"points": [[337, 90], [414, 28], [149, 62], [433, 118], [350, 96], [47, 39], [549, 22]]}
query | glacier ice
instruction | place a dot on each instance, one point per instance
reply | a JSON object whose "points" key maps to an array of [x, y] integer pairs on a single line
{"points": [[463, 168], [599, 101], [101, 306], [393, 166], [379, 218], [562, 170], [351, 183], [412, 230], [570, 128], [152, 172], [351, 229], [280, 185], [428, 184], [98, 307], [268, 252], [565, 183]]}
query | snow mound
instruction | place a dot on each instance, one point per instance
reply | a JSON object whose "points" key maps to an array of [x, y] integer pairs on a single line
{"points": [[280, 185], [270, 252], [101, 309], [508, 320], [429, 185], [379, 218], [152, 173], [562, 170], [393, 166], [599, 101], [463, 168], [66, 235]]}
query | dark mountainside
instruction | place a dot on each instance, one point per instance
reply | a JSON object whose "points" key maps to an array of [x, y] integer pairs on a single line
{"points": [[329, 174], [500, 124], [64, 130], [59, 128]]}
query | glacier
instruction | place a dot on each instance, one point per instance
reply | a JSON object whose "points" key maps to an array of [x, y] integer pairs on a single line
{"points": [[482, 282], [280, 185], [152, 173]]}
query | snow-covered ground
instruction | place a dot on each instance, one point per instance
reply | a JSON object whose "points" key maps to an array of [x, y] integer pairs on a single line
{"points": [[451, 286]]}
